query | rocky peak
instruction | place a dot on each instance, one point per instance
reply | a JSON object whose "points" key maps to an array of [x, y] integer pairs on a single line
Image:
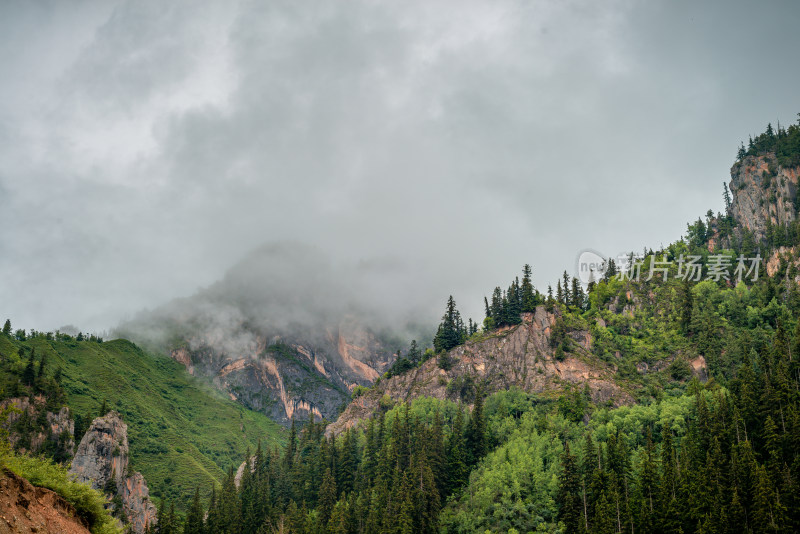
{"points": [[102, 461], [763, 194]]}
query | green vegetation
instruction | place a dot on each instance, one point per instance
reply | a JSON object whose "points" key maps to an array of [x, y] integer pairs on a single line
{"points": [[721, 456], [182, 433], [88, 503], [507, 306], [397, 473], [452, 331], [783, 142]]}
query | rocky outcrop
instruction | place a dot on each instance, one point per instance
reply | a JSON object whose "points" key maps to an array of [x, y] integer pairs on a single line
{"points": [[520, 356], [291, 376], [237, 478], [40, 425], [25, 508], [285, 332], [102, 461], [763, 194]]}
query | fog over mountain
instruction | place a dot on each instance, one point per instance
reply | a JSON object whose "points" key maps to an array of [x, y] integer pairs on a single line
{"points": [[292, 291], [418, 148]]}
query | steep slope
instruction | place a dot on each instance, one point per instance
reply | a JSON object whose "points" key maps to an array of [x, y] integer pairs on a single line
{"points": [[283, 333], [182, 433], [25, 509], [102, 461], [287, 377], [764, 194], [521, 356]]}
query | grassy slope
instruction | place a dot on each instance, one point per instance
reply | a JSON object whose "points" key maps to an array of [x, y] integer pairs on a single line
{"points": [[182, 433]]}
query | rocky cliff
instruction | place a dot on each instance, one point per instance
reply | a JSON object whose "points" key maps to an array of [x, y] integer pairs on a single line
{"points": [[32, 426], [763, 193], [291, 376], [102, 461], [284, 332], [25, 509], [521, 356]]}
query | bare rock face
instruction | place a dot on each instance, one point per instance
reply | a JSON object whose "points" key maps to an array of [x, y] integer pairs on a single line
{"points": [[57, 427], [286, 332], [520, 356], [291, 376], [102, 461], [763, 193]]}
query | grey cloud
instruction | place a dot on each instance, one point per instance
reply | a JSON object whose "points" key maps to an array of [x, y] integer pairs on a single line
{"points": [[429, 148]]}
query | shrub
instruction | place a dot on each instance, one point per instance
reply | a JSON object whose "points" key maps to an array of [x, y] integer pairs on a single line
{"points": [[680, 369], [445, 361], [359, 390], [88, 502], [386, 403]]}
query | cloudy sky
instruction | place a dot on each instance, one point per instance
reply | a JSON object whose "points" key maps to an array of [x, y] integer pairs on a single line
{"points": [[145, 147]]}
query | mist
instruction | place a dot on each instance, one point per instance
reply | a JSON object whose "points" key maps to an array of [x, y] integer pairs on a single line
{"points": [[418, 149], [288, 291]]}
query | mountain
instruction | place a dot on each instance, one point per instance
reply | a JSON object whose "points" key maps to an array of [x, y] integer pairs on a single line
{"points": [[761, 215], [284, 333], [182, 432], [521, 356], [659, 398], [651, 400]]}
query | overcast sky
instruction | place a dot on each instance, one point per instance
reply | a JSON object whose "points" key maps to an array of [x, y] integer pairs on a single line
{"points": [[145, 147]]}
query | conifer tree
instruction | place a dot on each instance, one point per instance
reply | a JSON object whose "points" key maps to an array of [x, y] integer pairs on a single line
{"points": [[194, 517], [568, 492], [476, 431], [451, 331], [529, 300], [327, 496], [29, 374]]}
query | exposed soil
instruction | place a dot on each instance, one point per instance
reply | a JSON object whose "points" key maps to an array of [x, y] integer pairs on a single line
{"points": [[26, 508]]}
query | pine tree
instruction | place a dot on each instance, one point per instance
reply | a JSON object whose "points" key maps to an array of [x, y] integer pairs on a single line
{"points": [[414, 353], [726, 196], [230, 516], [569, 511], [741, 153], [476, 431], [7, 328], [29, 374], [40, 370], [529, 300], [456, 455], [327, 496], [194, 518], [576, 297], [451, 331]]}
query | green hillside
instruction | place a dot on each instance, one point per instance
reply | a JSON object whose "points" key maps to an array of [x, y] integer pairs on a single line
{"points": [[182, 433]]}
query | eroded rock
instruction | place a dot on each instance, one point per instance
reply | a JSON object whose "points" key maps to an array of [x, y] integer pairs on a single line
{"points": [[102, 461]]}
